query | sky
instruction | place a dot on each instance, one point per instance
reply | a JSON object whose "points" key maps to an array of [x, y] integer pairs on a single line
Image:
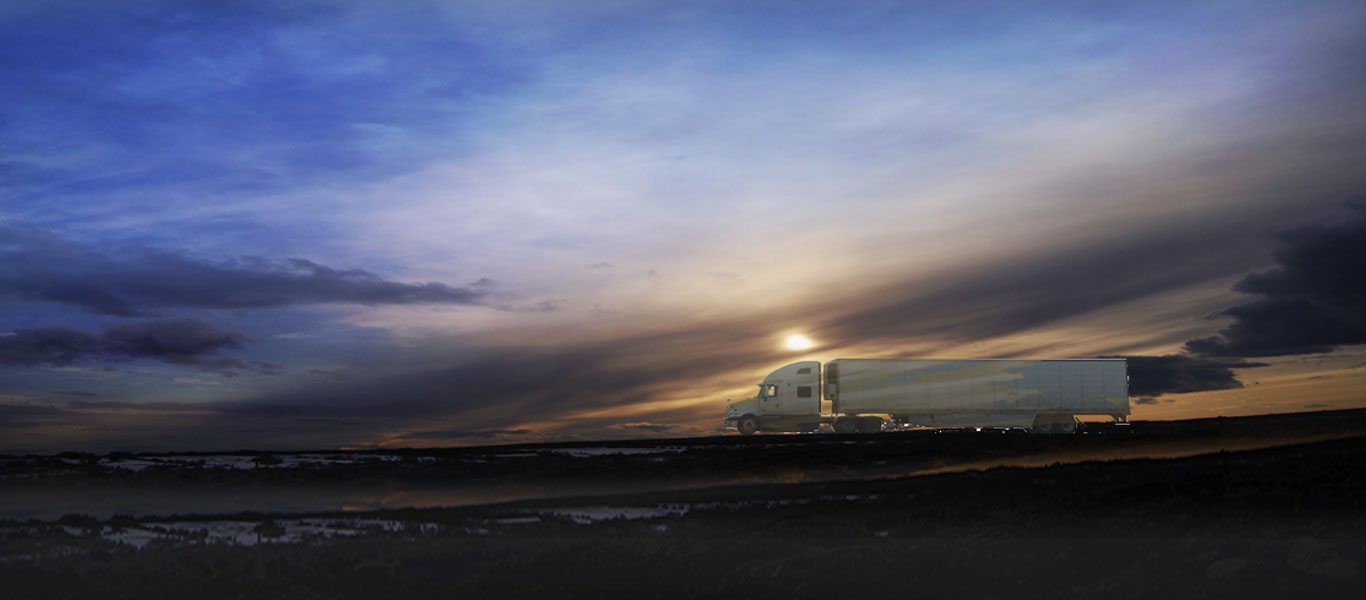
{"points": [[351, 224]]}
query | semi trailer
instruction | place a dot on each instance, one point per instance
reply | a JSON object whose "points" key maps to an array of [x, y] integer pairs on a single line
{"points": [[1041, 395]]}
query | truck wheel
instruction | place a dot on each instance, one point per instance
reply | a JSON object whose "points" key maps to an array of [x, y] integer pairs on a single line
{"points": [[749, 425], [846, 426]]}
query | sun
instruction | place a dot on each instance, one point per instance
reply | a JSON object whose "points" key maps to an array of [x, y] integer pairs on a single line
{"points": [[798, 342]]}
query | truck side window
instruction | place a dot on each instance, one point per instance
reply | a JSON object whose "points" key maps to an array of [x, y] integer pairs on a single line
{"points": [[803, 391], [771, 391]]}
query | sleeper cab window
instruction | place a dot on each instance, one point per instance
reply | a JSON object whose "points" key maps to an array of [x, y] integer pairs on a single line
{"points": [[803, 391], [803, 370]]}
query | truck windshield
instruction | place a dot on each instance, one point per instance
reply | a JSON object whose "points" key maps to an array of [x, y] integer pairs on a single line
{"points": [[768, 390]]}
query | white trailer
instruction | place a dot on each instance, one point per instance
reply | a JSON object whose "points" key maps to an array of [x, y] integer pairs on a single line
{"points": [[1043, 395]]}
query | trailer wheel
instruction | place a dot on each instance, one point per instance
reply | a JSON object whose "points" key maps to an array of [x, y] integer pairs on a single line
{"points": [[1055, 424], [749, 425], [846, 426]]}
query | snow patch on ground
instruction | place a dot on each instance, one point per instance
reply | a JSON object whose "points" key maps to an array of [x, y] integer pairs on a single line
{"points": [[604, 451], [138, 538], [251, 533], [585, 515], [131, 464], [587, 452], [248, 462]]}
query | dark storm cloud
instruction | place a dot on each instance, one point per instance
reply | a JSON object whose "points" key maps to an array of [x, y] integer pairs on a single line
{"points": [[171, 340], [503, 387], [1313, 301], [465, 392], [1181, 374], [51, 345], [973, 302], [36, 265], [174, 341]]}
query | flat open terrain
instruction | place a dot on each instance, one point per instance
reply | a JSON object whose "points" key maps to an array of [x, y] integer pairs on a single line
{"points": [[1255, 507]]}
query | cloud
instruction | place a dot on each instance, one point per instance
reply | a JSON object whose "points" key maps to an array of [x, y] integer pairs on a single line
{"points": [[21, 416], [1033, 289], [36, 265], [173, 341], [51, 345], [334, 375], [501, 387], [116, 405], [1146, 400], [251, 98], [464, 392], [646, 427], [1314, 300], [553, 305], [170, 340], [463, 434], [1180, 374]]}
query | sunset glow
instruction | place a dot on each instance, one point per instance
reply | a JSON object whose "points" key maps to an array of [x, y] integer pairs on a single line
{"points": [[347, 224]]}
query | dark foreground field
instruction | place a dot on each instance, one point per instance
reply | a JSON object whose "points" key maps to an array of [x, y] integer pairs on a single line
{"points": [[913, 514]]}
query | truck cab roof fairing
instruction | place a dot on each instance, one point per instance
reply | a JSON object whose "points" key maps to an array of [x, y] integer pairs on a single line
{"points": [[792, 369]]}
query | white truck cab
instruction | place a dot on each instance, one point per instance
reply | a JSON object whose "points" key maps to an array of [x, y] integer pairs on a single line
{"points": [[788, 399]]}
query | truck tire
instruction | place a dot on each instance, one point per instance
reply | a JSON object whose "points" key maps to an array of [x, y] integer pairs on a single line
{"points": [[1055, 424], [748, 425], [846, 426]]}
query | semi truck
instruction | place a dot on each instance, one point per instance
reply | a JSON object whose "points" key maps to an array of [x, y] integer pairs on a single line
{"points": [[864, 395]]}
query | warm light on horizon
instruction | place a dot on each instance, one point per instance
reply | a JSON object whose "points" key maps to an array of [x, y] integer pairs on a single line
{"points": [[798, 342]]}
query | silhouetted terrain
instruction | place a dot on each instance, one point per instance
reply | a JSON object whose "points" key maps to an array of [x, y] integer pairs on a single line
{"points": [[893, 514]]}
